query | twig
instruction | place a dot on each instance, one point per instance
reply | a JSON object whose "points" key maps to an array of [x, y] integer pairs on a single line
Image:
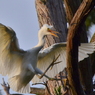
{"points": [[37, 91], [61, 80], [45, 84], [38, 83], [6, 87], [47, 87], [51, 65]]}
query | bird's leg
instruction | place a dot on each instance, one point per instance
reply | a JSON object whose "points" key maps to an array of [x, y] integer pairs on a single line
{"points": [[38, 71], [31, 68]]}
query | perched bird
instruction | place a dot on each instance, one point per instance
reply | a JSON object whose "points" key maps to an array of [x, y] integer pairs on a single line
{"points": [[21, 66]]}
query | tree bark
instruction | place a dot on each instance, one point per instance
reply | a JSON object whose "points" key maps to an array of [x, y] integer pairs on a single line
{"points": [[71, 7], [93, 57], [49, 12], [85, 65], [72, 46], [52, 12]]}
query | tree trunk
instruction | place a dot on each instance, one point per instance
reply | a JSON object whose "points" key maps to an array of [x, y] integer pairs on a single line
{"points": [[52, 12], [72, 46], [93, 57], [85, 65]]}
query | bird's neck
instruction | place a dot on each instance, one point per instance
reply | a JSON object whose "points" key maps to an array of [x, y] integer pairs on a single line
{"points": [[41, 42]]}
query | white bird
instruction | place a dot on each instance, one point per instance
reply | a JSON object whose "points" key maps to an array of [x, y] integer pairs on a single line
{"points": [[21, 66]]}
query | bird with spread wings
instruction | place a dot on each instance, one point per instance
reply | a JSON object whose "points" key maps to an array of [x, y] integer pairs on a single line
{"points": [[21, 66]]}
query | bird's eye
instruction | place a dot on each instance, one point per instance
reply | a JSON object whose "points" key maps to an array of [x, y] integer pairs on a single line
{"points": [[48, 29]]}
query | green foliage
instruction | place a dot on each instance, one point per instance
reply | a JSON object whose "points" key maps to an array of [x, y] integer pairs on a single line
{"points": [[90, 19], [58, 91]]}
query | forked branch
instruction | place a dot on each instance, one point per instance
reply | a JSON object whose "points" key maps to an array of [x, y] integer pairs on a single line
{"points": [[73, 43], [51, 65]]}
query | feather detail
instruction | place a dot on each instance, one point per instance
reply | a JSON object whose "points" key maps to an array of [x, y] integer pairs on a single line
{"points": [[46, 56], [14, 62], [9, 52], [17, 85]]}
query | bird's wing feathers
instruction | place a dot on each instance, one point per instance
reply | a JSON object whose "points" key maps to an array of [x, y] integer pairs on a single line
{"points": [[46, 57], [10, 54], [85, 49], [17, 85]]}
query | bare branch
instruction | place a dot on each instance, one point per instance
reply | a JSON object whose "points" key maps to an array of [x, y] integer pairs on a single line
{"points": [[51, 65], [72, 46], [6, 87]]}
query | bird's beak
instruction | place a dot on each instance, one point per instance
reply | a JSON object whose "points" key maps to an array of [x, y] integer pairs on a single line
{"points": [[53, 32]]}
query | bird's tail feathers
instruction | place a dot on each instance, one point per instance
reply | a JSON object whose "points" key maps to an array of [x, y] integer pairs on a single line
{"points": [[16, 85]]}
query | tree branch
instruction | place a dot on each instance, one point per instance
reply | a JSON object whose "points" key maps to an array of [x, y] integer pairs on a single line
{"points": [[85, 65], [51, 66], [6, 87], [72, 46]]}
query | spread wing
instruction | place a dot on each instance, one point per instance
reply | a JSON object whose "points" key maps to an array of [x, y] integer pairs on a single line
{"points": [[46, 57], [10, 54]]}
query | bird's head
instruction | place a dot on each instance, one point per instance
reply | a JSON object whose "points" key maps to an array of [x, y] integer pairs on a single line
{"points": [[47, 30]]}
